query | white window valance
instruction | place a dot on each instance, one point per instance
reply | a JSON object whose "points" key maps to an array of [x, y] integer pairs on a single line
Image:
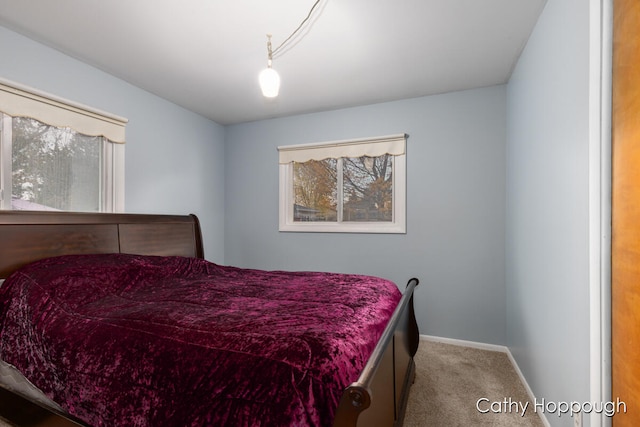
{"points": [[20, 101], [372, 147]]}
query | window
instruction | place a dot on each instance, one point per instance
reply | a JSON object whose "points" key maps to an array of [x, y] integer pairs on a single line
{"points": [[355, 186], [55, 155]]}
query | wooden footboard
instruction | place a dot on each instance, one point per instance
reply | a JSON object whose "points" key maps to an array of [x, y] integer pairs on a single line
{"points": [[379, 397]]}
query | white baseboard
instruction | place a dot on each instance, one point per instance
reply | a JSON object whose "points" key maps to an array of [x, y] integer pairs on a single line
{"points": [[491, 347], [463, 343]]}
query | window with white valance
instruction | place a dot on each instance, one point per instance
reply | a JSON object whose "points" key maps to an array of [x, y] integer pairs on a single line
{"points": [[57, 154], [352, 186], [371, 147]]}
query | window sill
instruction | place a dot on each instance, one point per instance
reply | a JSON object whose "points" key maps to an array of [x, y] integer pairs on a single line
{"points": [[356, 227]]}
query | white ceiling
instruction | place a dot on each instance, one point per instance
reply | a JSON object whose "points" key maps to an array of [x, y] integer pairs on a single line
{"points": [[205, 55]]}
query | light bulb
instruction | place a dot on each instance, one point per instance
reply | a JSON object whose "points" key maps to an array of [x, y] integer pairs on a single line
{"points": [[269, 82]]}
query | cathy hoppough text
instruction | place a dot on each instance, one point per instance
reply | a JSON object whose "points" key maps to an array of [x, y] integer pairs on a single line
{"points": [[510, 406]]}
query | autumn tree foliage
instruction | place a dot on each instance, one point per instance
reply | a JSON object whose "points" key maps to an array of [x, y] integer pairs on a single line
{"points": [[366, 187], [316, 189]]}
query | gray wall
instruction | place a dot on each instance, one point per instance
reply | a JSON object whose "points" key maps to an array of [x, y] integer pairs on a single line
{"points": [[547, 221], [173, 158], [455, 206]]}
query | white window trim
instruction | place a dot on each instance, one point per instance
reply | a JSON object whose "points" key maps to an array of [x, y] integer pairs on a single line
{"points": [[5, 159], [113, 197], [20, 100], [286, 194]]}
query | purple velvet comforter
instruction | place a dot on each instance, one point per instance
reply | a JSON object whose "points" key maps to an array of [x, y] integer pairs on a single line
{"points": [[127, 340]]}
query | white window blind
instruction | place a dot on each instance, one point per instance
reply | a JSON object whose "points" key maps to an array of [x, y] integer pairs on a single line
{"points": [[20, 101], [371, 147]]}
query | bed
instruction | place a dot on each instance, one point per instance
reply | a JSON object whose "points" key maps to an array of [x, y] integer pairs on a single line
{"points": [[136, 295]]}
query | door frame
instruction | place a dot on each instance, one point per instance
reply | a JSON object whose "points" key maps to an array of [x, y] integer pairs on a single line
{"points": [[600, 91]]}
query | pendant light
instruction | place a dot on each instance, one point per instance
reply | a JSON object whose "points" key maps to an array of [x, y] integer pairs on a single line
{"points": [[269, 78]]}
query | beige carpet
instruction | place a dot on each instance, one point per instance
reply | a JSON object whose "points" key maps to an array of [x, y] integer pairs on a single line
{"points": [[450, 380]]}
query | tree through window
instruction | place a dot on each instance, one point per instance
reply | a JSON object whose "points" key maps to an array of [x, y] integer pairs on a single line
{"points": [[327, 185], [55, 168], [368, 188], [58, 155]]}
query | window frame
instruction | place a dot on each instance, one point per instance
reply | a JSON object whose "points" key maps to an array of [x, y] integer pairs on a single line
{"points": [[21, 101], [287, 196]]}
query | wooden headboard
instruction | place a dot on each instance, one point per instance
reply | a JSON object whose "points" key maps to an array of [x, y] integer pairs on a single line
{"points": [[27, 236]]}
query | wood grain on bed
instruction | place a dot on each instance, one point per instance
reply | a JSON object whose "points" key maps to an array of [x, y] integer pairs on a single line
{"points": [[19, 411], [30, 236], [379, 396]]}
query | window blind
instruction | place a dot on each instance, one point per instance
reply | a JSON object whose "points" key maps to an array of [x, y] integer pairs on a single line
{"points": [[20, 101], [371, 147]]}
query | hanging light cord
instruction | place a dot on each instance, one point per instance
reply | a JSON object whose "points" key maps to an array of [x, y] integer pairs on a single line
{"points": [[273, 52]]}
